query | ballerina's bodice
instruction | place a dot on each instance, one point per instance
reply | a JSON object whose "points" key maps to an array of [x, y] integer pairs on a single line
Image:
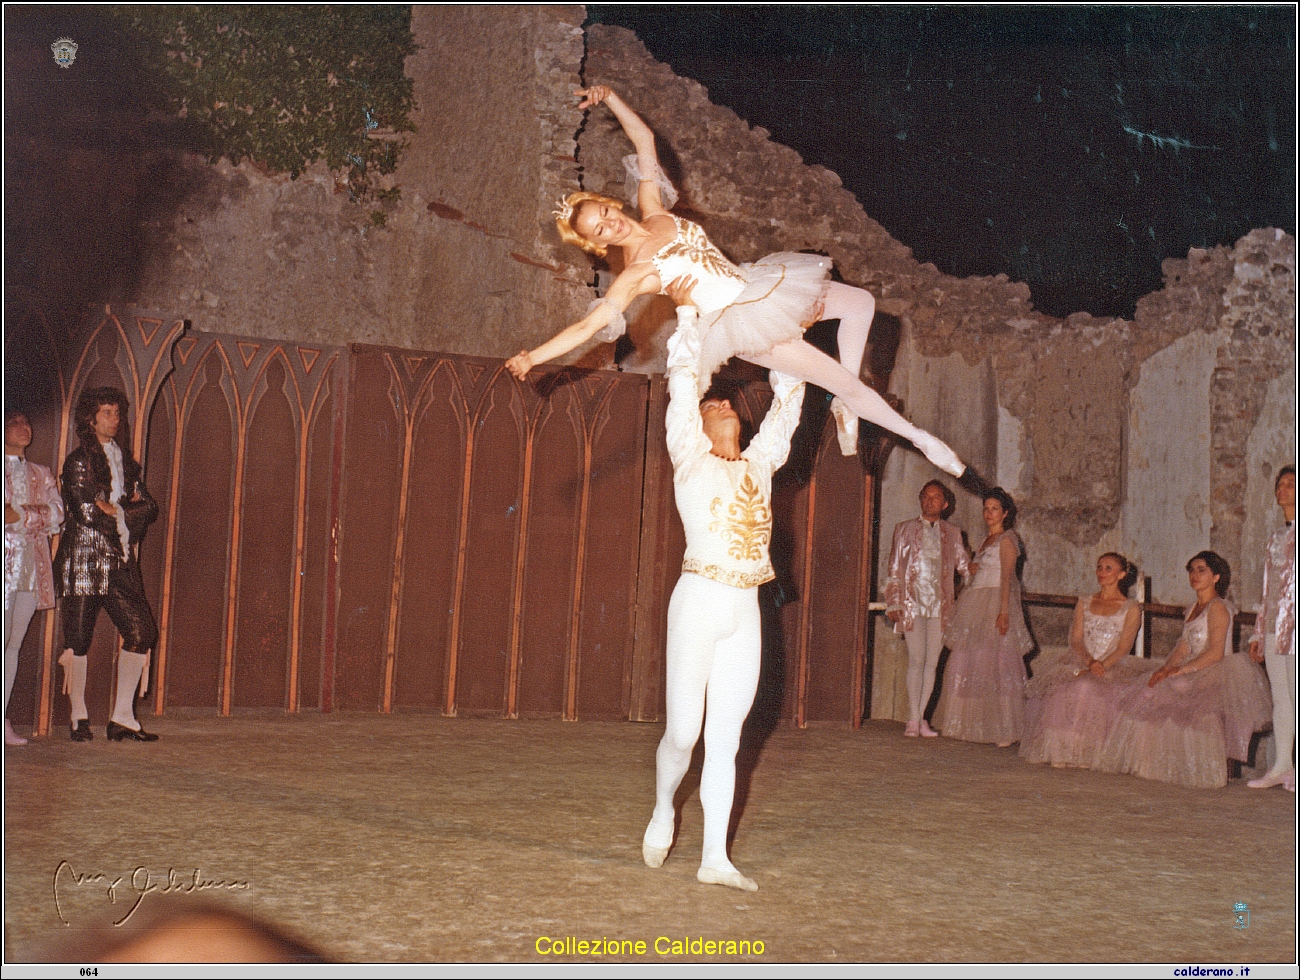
{"points": [[690, 253], [1196, 632], [989, 574], [1100, 632]]}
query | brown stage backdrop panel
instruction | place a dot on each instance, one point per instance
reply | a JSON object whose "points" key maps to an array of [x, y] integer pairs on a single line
{"points": [[199, 521], [379, 529], [375, 443]]}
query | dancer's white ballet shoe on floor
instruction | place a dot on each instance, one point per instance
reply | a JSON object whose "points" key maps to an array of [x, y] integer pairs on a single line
{"points": [[1270, 780], [12, 737], [938, 453], [728, 876], [913, 729], [846, 426], [656, 844], [927, 731], [1288, 781]]}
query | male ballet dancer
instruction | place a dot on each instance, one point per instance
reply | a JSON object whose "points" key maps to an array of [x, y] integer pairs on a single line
{"points": [[33, 512], [97, 568], [714, 634], [927, 552]]}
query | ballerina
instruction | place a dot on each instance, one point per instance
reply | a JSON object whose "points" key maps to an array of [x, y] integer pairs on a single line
{"points": [[1071, 700], [757, 311], [983, 697], [1200, 707]]}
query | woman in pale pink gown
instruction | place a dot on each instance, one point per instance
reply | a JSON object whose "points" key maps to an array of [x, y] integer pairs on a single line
{"points": [[1201, 706], [1071, 699], [983, 698]]}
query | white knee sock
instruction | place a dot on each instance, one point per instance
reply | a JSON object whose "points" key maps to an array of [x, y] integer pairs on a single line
{"points": [[74, 678], [129, 668]]}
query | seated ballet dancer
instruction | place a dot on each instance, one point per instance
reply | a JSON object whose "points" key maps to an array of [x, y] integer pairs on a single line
{"points": [[1183, 722], [714, 633], [757, 310]]}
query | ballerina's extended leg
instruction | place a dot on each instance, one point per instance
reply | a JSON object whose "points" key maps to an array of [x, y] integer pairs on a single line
{"points": [[855, 309], [804, 361]]}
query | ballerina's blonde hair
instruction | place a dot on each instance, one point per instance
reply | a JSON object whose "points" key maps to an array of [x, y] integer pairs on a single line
{"points": [[568, 210]]}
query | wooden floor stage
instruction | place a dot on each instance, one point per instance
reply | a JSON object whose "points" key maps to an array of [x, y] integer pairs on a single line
{"points": [[418, 837]]}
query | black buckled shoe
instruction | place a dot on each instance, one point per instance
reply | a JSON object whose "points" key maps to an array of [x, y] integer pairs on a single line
{"points": [[81, 731], [119, 733]]}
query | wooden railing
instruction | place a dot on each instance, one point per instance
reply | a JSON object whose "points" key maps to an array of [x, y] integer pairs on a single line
{"points": [[1150, 610]]}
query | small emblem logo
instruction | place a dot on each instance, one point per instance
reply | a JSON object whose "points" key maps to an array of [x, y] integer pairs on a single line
{"points": [[65, 51], [1241, 916]]}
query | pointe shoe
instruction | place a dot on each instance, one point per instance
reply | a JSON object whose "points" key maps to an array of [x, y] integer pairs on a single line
{"points": [[120, 733], [927, 731], [913, 729], [11, 737], [846, 426], [726, 876], [81, 730], [938, 453], [1288, 781]]}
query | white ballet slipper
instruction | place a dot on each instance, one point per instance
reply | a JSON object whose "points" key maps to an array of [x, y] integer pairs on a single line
{"points": [[913, 729], [846, 426], [1288, 781], [728, 876], [927, 731], [656, 844], [11, 737], [938, 453]]}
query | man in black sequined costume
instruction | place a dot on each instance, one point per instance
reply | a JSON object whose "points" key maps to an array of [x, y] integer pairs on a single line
{"points": [[97, 565]]}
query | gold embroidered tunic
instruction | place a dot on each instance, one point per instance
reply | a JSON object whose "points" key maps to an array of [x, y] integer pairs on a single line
{"points": [[725, 505]]}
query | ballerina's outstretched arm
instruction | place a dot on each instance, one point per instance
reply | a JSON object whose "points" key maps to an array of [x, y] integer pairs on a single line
{"points": [[649, 198], [631, 282]]}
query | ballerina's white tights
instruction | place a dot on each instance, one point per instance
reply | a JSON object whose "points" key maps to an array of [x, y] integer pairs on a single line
{"points": [[854, 308], [713, 654]]}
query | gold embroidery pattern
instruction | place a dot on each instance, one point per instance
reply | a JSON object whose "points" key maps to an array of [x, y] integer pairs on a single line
{"points": [[747, 524], [739, 580], [692, 244]]}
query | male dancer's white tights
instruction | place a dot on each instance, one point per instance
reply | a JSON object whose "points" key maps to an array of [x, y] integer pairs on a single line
{"points": [[714, 650], [17, 618], [1281, 678], [924, 644], [854, 308]]}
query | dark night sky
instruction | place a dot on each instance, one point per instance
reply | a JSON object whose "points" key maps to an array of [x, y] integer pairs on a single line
{"points": [[1072, 148]]}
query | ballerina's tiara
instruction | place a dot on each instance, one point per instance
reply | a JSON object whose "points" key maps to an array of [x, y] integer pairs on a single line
{"points": [[565, 211]]}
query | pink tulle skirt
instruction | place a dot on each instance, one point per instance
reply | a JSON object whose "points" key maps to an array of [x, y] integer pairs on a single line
{"points": [[1184, 729], [983, 696], [1069, 711], [782, 298]]}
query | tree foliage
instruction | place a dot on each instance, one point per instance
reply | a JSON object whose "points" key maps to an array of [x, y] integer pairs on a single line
{"points": [[284, 85]]}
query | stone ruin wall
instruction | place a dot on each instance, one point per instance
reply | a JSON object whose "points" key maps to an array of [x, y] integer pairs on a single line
{"points": [[1155, 437], [466, 261]]}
